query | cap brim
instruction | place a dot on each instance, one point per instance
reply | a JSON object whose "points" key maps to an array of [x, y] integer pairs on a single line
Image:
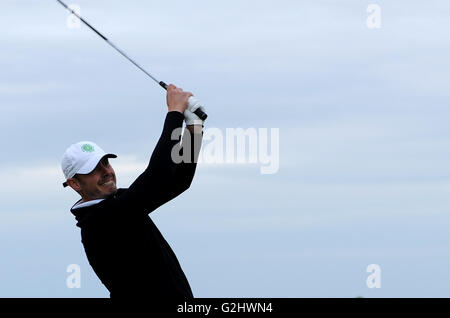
{"points": [[89, 166]]}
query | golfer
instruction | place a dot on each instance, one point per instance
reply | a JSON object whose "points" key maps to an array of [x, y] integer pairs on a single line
{"points": [[123, 245]]}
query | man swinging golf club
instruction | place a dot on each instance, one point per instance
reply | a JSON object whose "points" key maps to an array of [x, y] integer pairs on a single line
{"points": [[123, 245]]}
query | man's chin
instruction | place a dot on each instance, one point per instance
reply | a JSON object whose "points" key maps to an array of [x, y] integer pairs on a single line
{"points": [[108, 192], [111, 191]]}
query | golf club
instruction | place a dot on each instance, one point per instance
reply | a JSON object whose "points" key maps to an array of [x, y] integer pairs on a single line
{"points": [[192, 100]]}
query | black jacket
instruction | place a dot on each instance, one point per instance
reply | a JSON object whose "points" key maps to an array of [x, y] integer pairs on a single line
{"points": [[123, 245]]}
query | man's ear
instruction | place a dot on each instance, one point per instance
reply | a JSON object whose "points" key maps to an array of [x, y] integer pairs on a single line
{"points": [[74, 184]]}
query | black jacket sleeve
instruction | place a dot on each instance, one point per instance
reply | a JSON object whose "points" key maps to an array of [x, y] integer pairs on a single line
{"points": [[164, 179]]}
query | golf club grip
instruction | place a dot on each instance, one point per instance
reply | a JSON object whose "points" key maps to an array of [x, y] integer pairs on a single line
{"points": [[202, 115]]}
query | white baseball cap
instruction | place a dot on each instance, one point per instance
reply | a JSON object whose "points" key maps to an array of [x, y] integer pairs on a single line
{"points": [[82, 158]]}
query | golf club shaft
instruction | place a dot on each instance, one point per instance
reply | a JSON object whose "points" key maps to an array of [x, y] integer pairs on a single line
{"points": [[198, 112]]}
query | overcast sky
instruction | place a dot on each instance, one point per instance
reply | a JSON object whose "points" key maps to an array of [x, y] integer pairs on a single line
{"points": [[364, 141]]}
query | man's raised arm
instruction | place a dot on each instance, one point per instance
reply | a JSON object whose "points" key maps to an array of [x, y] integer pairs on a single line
{"points": [[165, 177]]}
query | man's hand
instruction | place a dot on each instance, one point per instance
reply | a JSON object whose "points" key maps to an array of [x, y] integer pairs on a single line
{"points": [[190, 117], [177, 99]]}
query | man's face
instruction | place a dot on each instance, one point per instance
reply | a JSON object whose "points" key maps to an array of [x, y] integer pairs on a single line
{"points": [[98, 184]]}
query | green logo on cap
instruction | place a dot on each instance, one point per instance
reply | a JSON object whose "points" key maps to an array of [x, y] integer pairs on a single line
{"points": [[87, 148]]}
